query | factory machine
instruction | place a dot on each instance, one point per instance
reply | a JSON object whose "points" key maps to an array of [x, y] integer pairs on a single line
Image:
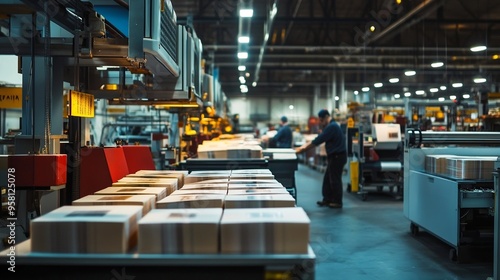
{"points": [[449, 187], [375, 161]]}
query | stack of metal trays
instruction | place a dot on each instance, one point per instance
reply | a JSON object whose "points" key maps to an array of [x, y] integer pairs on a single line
{"points": [[461, 167]]}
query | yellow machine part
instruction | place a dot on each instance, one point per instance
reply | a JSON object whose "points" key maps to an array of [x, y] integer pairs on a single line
{"points": [[354, 169]]}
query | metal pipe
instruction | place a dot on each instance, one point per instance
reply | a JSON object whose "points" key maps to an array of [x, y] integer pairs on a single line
{"points": [[393, 27], [268, 24]]}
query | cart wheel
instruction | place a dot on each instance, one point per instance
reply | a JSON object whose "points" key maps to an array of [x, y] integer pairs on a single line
{"points": [[453, 255], [364, 197], [414, 229], [348, 189]]}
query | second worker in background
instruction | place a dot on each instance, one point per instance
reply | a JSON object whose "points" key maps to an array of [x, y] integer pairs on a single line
{"points": [[335, 146], [283, 139]]}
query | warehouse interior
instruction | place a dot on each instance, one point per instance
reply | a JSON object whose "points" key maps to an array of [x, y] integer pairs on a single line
{"points": [[176, 106]]}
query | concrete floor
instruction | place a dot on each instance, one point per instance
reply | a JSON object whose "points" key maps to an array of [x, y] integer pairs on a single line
{"points": [[371, 239]]}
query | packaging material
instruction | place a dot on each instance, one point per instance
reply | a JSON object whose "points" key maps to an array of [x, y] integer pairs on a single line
{"points": [[254, 176], [159, 193], [234, 181], [264, 231], [251, 171], [192, 201], [146, 201], [110, 229], [180, 231], [259, 201], [461, 167], [198, 176], [255, 186]]}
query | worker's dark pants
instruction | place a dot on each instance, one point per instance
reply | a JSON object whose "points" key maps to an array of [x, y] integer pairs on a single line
{"points": [[332, 182]]}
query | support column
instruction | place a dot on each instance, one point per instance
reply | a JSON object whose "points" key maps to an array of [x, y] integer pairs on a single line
{"points": [[343, 94], [331, 102]]}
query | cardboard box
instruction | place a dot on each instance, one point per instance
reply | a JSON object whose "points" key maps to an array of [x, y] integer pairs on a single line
{"points": [[200, 192], [247, 176], [251, 171], [146, 201], [169, 184], [109, 229], [199, 177], [205, 187], [178, 176], [257, 191], [255, 186], [259, 201], [253, 181], [192, 201], [264, 231], [159, 193], [180, 231]]}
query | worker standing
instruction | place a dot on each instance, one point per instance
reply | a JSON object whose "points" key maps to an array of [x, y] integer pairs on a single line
{"points": [[283, 139], [334, 140]]}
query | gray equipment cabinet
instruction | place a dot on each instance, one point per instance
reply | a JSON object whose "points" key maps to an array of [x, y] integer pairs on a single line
{"points": [[456, 209]]}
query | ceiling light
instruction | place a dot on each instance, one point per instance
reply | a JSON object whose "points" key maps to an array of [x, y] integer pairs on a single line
{"points": [[247, 74], [365, 89], [356, 92], [442, 87], [254, 84], [410, 73], [393, 80], [479, 79], [372, 28], [495, 57], [378, 85], [453, 97], [337, 98], [242, 79], [441, 99], [243, 88], [478, 48], [398, 2], [466, 96], [242, 55], [437, 64], [246, 13], [457, 85], [407, 94], [434, 90], [244, 39], [242, 68], [420, 92], [397, 95]]}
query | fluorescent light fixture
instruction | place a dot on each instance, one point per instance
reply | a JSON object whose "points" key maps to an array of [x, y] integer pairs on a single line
{"points": [[420, 92], [437, 64], [266, 37], [453, 97], [242, 68], [466, 96], [478, 48], [442, 87], [479, 80], [378, 85], [244, 39], [393, 80], [242, 55], [365, 89], [441, 99], [246, 13], [337, 98], [356, 92], [457, 85], [291, 107], [434, 90], [243, 88], [242, 79], [410, 73], [254, 84], [407, 94], [397, 95]]}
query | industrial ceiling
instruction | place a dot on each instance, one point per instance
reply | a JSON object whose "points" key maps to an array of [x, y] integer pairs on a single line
{"points": [[354, 42]]}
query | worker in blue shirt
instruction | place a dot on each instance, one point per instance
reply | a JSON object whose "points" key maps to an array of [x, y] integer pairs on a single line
{"points": [[283, 139], [335, 145]]}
